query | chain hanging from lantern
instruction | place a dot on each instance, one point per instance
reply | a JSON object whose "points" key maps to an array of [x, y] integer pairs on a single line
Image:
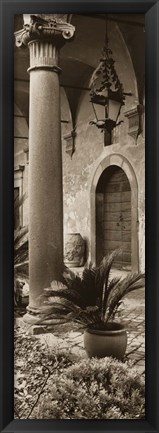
{"points": [[106, 91]]}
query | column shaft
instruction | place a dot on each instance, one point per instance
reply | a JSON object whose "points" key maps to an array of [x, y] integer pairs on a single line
{"points": [[45, 35], [45, 183]]}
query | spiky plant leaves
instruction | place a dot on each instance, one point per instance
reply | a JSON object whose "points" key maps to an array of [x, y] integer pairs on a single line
{"points": [[106, 294], [59, 309], [89, 265], [68, 274], [89, 288], [61, 290], [70, 295], [90, 300], [112, 284], [81, 291], [85, 285], [73, 282], [102, 277], [21, 253], [19, 234], [55, 286], [62, 302], [122, 288]]}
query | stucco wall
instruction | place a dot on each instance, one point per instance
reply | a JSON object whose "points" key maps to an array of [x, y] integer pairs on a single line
{"points": [[90, 150], [77, 178]]}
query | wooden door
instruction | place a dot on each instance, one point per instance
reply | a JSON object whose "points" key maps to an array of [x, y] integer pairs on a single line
{"points": [[116, 215]]}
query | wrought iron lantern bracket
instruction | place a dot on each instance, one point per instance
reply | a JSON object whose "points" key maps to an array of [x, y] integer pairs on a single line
{"points": [[106, 91]]}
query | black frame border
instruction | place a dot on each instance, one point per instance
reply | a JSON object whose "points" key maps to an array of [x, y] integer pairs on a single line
{"points": [[151, 10]]}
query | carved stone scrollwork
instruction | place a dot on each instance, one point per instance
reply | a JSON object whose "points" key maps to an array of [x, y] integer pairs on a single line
{"points": [[135, 119], [48, 28]]}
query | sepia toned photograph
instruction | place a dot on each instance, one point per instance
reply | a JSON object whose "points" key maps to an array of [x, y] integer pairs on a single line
{"points": [[79, 216]]}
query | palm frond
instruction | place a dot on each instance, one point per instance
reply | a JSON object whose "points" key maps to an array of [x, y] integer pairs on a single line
{"points": [[71, 295], [59, 309], [93, 298], [21, 253], [102, 278], [19, 234], [60, 302], [72, 281], [57, 314], [85, 285], [89, 265], [89, 287], [123, 287], [113, 284], [89, 274], [88, 316], [68, 274]]}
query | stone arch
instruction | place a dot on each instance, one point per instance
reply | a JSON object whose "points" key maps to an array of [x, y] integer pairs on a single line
{"points": [[124, 164]]}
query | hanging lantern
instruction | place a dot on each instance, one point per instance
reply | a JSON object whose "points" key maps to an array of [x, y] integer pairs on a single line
{"points": [[106, 92]]}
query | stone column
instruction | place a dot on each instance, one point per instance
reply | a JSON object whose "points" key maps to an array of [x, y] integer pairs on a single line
{"points": [[44, 36]]}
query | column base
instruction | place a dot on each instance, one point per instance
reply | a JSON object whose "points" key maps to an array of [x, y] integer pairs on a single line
{"points": [[34, 317]]}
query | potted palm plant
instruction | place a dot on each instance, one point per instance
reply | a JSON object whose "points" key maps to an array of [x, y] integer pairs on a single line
{"points": [[92, 301]]}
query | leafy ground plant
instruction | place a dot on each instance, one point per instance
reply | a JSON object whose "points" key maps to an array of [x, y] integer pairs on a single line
{"points": [[53, 383], [94, 389], [34, 363]]}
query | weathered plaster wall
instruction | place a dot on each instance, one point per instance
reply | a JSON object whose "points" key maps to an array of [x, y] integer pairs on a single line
{"points": [[90, 150], [77, 185]]}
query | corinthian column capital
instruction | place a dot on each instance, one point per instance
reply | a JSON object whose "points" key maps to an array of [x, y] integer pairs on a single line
{"points": [[52, 28]]}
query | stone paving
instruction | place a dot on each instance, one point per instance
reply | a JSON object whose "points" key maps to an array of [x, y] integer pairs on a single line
{"points": [[136, 340]]}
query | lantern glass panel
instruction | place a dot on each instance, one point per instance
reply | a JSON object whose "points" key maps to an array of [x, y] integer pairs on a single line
{"points": [[114, 109], [100, 111]]}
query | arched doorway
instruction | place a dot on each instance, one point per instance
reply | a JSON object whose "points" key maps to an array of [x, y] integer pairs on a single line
{"points": [[113, 216], [120, 162]]}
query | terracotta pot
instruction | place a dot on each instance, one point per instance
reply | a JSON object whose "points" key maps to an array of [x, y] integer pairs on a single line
{"points": [[74, 249], [109, 342]]}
